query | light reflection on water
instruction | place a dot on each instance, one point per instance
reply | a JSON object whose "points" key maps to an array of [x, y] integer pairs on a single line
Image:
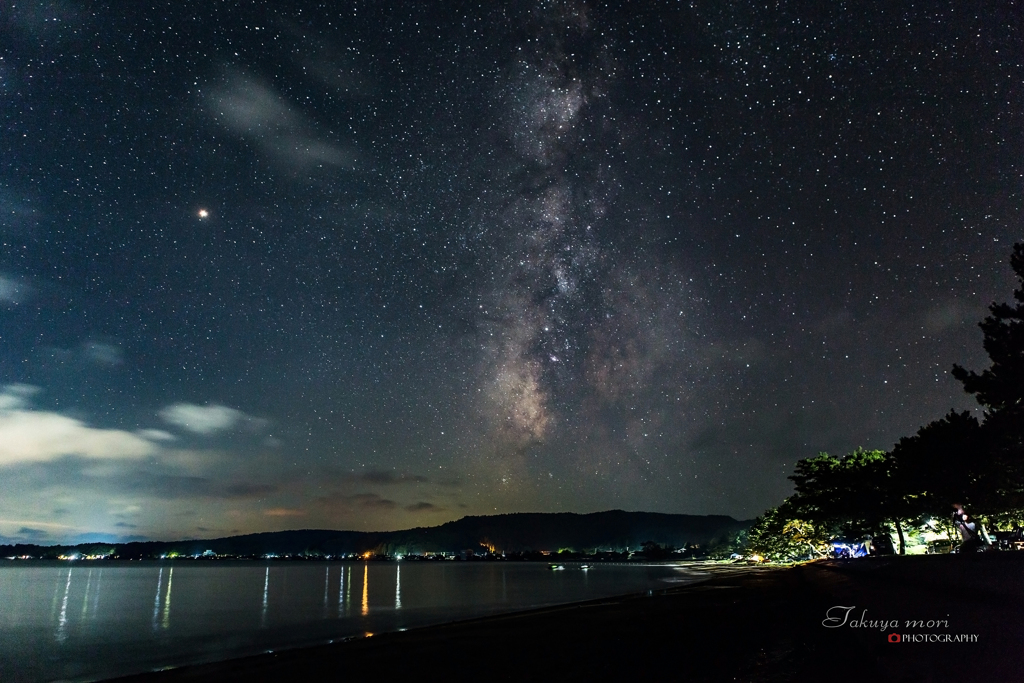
{"points": [[266, 598], [167, 600], [62, 623], [398, 586], [366, 589], [156, 599], [85, 600], [327, 582], [225, 609], [341, 592]]}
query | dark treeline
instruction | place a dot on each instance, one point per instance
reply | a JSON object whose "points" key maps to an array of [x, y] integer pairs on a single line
{"points": [[956, 459]]}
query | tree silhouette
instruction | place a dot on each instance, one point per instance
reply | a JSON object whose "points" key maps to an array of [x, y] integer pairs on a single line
{"points": [[1000, 390], [1001, 387], [945, 462]]}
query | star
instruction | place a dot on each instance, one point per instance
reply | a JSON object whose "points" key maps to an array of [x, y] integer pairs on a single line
{"points": [[203, 213]]}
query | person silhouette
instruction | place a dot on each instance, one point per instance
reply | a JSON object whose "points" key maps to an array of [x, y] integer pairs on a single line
{"points": [[968, 529]]}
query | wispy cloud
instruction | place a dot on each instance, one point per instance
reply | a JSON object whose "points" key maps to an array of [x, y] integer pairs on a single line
{"points": [[137, 483], [13, 291], [423, 506], [251, 108], [372, 501], [155, 435], [284, 512], [16, 396], [33, 531], [102, 353], [28, 435], [16, 212], [207, 420], [90, 353], [32, 535], [48, 525], [167, 485]]}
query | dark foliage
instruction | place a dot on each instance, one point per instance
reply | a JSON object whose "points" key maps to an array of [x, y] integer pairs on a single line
{"points": [[654, 551], [947, 461], [1000, 389]]}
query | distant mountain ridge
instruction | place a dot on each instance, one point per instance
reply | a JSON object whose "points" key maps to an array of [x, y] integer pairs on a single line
{"points": [[615, 530]]}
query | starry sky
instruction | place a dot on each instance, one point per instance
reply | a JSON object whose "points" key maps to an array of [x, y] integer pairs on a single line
{"points": [[375, 265]]}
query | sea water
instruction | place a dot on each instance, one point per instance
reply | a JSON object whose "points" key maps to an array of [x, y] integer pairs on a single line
{"points": [[94, 620]]}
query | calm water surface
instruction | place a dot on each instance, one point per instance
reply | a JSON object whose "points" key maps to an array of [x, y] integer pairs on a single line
{"points": [[86, 621]]}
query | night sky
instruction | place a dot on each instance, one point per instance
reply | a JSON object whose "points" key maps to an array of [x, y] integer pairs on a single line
{"points": [[375, 265]]}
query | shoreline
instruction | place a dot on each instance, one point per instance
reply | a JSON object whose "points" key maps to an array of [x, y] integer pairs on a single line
{"points": [[756, 624], [687, 573]]}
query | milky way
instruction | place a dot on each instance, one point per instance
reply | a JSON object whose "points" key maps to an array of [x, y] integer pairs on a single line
{"points": [[572, 332]]}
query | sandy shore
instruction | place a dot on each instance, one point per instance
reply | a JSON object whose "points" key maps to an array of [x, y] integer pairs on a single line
{"points": [[753, 625]]}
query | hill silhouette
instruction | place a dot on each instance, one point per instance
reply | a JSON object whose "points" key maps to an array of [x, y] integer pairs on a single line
{"points": [[614, 530]]}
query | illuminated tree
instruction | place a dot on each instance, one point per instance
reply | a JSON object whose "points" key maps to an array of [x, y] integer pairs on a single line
{"points": [[859, 494], [779, 537]]}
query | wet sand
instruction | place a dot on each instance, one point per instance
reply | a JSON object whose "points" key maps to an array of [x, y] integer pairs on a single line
{"points": [[751, 624]]}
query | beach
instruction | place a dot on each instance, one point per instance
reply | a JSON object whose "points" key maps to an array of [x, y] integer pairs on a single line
{"points": [[922, 618]]}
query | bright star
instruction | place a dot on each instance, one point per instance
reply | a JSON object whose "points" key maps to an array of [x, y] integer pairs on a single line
{"points": [[203, 213]]}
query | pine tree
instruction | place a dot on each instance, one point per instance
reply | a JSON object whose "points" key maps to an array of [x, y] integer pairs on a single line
{"points": [[1001, 387], [1000, 390], [855, 494], [945, 462]]}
